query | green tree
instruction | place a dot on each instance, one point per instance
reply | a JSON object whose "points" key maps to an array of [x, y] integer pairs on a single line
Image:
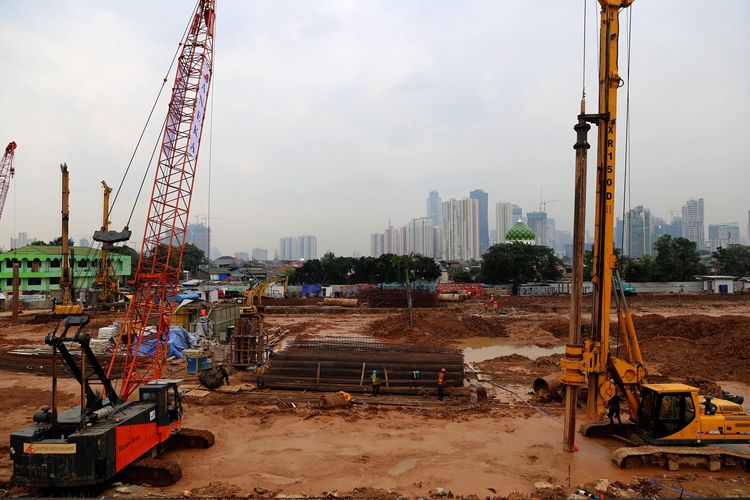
{"points": [[40, 243], [518, 263], [734, 260], [677, 259], [134, 256], [192, 258], [641, 269], [461, 275], [57, 242]]}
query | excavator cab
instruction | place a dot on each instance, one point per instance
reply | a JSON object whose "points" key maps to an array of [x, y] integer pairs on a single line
{"points": [[665, 411]]}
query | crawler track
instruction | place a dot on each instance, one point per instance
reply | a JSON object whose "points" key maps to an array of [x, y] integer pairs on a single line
{"points": [[711, 457]]}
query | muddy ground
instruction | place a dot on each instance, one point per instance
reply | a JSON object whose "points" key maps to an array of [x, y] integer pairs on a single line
{"points": [[280, 443]]}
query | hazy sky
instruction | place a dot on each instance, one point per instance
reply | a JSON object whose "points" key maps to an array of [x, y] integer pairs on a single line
{"points": [[331, 117]]}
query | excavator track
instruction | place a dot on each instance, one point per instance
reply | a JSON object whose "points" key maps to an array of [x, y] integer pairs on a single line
{"points": [[192, 438], [710, 457], [153, 471]]}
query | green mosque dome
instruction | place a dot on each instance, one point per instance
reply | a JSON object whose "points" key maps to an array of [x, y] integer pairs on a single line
{"points": [[520, 232]]}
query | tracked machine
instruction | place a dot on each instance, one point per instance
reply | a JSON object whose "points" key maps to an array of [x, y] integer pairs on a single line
{"points": [[113, 432], [670, 423]]}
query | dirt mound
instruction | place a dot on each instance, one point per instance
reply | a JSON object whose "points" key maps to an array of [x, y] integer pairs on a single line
{"points": [[436, 327], [693, 326], [711, 348], [557, 327]]}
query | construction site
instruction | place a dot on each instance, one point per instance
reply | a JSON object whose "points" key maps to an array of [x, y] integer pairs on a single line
{"points": [[502, 440], [130, 380]]}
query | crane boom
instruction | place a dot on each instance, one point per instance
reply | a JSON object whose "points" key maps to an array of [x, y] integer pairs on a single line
{"points": [[158, 272], [6, 172], [603, 252]]}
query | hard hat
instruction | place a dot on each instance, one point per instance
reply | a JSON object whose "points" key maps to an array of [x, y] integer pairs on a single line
{"points": [[443, 370], [374, 371]]}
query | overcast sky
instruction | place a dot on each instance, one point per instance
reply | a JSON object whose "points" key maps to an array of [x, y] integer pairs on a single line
{"points": [[332, 117]]}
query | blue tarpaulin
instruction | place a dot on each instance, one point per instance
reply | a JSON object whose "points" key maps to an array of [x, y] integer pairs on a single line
{"points": [[179, 340], [308, 290]]}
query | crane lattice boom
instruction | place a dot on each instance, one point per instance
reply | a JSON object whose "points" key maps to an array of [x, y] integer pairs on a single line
{"points": [[158, 272], [6, 173]]}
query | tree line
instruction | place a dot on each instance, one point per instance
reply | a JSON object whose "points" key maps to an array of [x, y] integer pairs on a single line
{"points": [[387, 268], [676, 259]]}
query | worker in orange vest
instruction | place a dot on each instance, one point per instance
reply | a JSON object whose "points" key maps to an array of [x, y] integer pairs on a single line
{"points": [[441, 384]]}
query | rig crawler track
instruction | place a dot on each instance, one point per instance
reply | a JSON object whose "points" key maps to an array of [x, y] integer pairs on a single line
{"points": [[712, 457]]}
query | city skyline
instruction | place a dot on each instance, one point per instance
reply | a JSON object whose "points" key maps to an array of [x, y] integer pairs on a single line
{"points": [[364, 107]]}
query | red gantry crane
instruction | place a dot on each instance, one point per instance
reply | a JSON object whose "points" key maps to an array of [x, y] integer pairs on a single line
{"points": [[6, 173], [108, 433]]}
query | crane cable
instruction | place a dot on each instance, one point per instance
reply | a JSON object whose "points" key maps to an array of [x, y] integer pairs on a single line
{"points": [[583, 71], [81, 277], [626, 164], [150, 115]]}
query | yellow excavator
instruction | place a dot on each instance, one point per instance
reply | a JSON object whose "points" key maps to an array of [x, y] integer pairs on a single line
{"points": [[669, 423], [254, 296]]}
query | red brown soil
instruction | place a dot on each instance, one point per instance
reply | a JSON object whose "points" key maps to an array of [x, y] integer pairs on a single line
{"points": [[707, 347], [436, 327]]}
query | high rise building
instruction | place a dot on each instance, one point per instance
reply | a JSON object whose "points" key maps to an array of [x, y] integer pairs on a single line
{"points": [[639, 233], [308, 247], [537, 221], [298, 247], [723, 235], [461, 229], [84, 242], [437, 242], [420, 237], [198, 235], [375, 249], [517, 213], [392, 240], [619, 227], [260, 254], [550, 228], [503, 219], [748, 226], [435, 208], [484, 230], [242, 256], [692, 222]]}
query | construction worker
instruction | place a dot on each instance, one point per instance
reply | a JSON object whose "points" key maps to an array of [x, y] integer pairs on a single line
{"points": [[375, 383], [224, 373], [441, 384], [614, 409], [415, 376], [260, 370]]}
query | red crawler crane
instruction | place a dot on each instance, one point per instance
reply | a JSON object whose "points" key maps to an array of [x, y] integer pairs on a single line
{"points": [[157, 275], [6, 173], [107, 434]]}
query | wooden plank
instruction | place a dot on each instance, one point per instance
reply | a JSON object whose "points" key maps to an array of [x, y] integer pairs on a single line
{"points": [[362, 377], [229, 388], [198, 393]]}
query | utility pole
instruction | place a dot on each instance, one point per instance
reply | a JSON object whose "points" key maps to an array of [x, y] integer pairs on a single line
{"points": [[65, 281], [16, 291], [408, 290]]}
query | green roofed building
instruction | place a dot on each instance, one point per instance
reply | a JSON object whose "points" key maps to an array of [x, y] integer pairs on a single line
{"points": [[40, 267], [521, 233]]}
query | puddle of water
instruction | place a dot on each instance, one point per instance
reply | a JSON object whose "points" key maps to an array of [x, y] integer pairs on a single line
{"points": [[483, 348]]}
